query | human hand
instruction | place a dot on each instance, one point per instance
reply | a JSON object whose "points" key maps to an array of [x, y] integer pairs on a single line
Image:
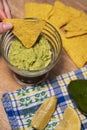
{"points": [[4, 13]]}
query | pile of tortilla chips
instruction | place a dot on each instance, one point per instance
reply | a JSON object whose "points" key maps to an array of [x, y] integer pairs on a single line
{"points": [[71, 24]]}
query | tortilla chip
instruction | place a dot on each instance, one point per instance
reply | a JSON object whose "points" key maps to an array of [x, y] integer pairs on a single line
{"points": [[58, 19], [27, 31], [37, 10], [72, 12], [76, 48], [59, 5], [78, 24], [62, 14], [73, 34]]}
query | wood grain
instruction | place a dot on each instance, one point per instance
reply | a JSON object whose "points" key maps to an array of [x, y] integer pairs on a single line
{"points": [[65, 64]]}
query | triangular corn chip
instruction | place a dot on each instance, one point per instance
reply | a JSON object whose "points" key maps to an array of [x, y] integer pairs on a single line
{"points": [[79, 24], [76, 48], [37, 10], [76, 33], [27, 31], [62, 14]]}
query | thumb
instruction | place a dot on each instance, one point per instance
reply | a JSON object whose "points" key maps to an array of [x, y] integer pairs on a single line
{"points": [[5, 27]]}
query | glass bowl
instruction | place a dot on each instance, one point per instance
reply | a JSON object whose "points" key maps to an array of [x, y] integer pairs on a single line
{"points": [[25, 77]]}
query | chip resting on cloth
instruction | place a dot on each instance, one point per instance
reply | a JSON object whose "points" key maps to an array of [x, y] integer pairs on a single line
{"points": [[27, 31]]}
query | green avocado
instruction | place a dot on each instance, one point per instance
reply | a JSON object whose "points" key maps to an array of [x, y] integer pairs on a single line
{"points": [[78, 92]]}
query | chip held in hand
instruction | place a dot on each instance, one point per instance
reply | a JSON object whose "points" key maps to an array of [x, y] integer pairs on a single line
{"points": [[27, 31]]}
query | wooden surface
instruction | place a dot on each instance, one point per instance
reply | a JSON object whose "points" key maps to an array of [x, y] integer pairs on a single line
{"points": [[65, 64]]}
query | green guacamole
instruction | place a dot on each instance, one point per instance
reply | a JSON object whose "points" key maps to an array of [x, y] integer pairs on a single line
{"points": [[34, 58]]}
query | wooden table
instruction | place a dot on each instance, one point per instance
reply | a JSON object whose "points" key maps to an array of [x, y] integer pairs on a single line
{"points": [[7, 82]]}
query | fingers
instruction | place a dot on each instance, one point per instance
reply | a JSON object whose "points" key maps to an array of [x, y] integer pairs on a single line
{"points": [[6, 8], [5, 27], [2, 14], [1, 5]]}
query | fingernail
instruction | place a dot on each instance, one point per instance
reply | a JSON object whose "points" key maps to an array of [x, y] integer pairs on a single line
{"points": [[7, 26]]}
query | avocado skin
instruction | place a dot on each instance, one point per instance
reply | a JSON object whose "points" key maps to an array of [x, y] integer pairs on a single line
{"points": [[78, 91]]}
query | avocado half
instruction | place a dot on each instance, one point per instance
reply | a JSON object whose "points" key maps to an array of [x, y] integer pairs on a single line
{"points": [[78, 91]]}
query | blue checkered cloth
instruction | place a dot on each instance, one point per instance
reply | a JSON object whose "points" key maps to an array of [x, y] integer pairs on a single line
{"points": [[21, 105]]}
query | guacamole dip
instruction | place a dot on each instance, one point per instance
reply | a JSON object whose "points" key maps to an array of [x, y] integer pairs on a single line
{"points": [[34, 58]]}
